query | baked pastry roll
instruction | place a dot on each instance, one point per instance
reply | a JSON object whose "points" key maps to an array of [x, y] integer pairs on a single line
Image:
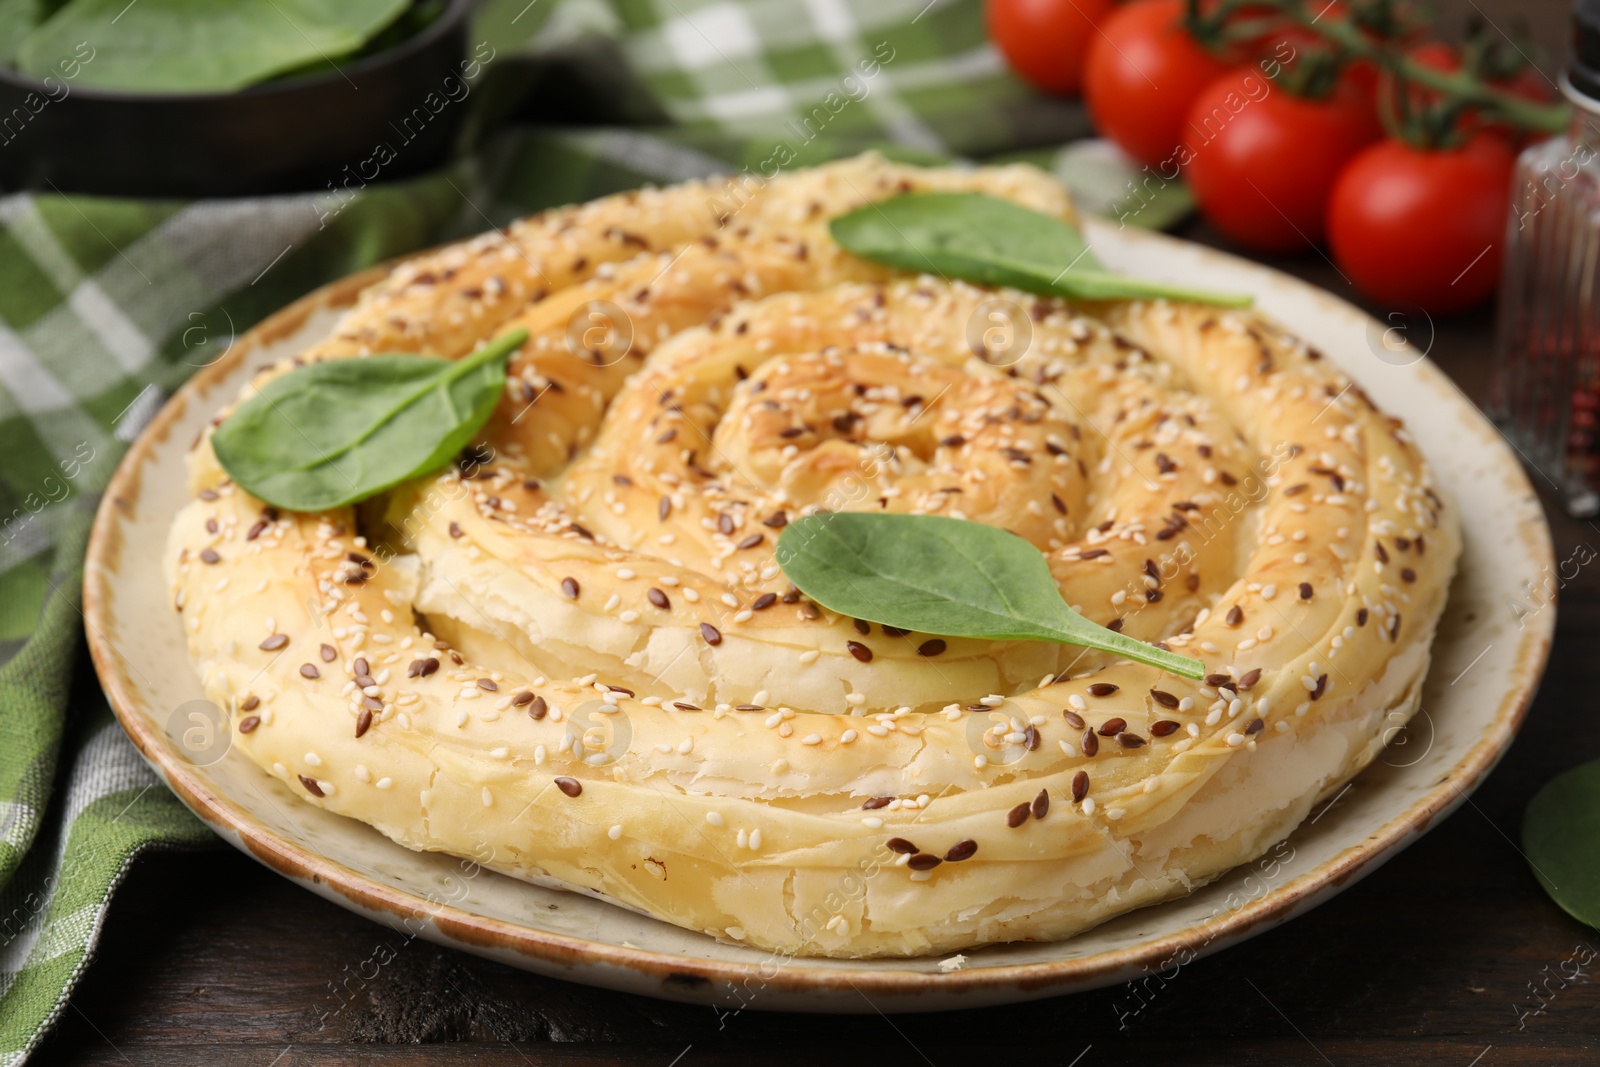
{"points": [[574, 658]]}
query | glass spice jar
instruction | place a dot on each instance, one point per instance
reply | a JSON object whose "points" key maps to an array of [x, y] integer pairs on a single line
{"points": [[1545, 390]]}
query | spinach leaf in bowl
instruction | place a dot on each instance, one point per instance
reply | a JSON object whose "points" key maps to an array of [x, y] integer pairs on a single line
{"points": [[201, 46]]}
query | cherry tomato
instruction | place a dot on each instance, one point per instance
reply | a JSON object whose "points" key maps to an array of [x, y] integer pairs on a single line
{"points": [[1422, 228], [1262, 162], [1143, 73], [1045, 41]]}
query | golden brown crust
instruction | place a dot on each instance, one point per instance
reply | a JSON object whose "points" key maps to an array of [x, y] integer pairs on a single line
{"points": [[613, 687]]}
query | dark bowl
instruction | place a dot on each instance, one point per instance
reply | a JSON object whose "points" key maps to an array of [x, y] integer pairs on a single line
{"points": [[381, 117]]}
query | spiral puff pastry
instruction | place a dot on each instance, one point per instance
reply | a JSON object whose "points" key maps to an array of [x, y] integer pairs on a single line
{"points": [[573, 656]]}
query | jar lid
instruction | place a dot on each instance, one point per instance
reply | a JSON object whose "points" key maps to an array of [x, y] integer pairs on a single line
{"points": [[1583, 71]]}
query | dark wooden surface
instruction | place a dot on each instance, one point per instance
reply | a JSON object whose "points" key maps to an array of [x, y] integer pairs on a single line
{"points": [[1449, 955]]}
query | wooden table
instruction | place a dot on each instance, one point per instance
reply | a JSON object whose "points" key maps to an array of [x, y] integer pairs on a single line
{"points": [[1444, 956]]}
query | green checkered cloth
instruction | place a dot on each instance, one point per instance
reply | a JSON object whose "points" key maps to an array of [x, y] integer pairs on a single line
{"points": [[107, 305]]}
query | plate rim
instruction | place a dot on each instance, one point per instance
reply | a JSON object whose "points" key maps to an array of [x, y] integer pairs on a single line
{"points": [[687, 976]]}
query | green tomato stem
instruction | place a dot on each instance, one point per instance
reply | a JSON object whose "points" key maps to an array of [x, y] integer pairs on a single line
{"points": [[1541, 118], [1212, 29]]}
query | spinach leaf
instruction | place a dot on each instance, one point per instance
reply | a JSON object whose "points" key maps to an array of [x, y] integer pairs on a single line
{"points": [[944, 576], [990, 241], [17, 20], [334, 433], [201, 46], [1561, 837]]}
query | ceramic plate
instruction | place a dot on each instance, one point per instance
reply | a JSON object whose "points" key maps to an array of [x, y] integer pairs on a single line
{"points": [[1486, 666]]}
